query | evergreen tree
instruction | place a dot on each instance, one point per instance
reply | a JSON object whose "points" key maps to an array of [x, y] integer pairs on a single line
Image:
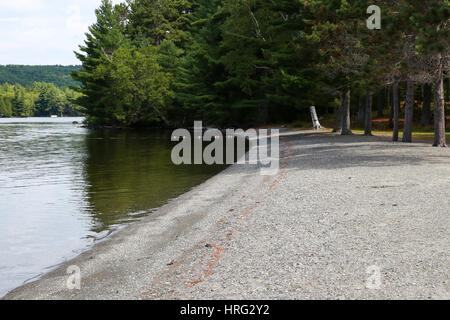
{"points": [[424, 32], [104, 38], [201, 88], [159, 20], [249, 62]]}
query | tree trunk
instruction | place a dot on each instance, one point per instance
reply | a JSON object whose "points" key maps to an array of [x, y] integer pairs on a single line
{"points": [[368, 115], [163, 118], [391, 116], [263, 106], [409, 112], [396, 110], [380, 104], [439, 113], [263, 112], [362, 106], [425, 117], [338, 115], [346, 125], [448, 88], [389, 105]]}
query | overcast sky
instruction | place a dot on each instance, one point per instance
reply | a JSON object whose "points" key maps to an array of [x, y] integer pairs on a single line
{"points": [[43, 31]]}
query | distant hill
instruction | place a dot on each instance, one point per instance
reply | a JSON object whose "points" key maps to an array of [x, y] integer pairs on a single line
{"points": [[26, 75]]}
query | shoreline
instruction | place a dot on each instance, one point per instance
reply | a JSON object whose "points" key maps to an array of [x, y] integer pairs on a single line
{"points": [[163, 213], [219, 239]]}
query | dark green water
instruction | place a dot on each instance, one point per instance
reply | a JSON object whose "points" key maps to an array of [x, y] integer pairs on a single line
{"points": [[62, 187]]}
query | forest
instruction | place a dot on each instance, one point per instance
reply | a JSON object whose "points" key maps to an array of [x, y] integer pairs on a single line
{"points": [[39, 100], [27, 75], [27, 91], [253, 62]]}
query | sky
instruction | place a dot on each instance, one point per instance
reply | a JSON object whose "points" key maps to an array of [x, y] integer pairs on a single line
{"points": [[44, 32]]}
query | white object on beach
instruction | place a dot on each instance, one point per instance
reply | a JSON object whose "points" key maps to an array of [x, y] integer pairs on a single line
{"points": [[315, 119]]}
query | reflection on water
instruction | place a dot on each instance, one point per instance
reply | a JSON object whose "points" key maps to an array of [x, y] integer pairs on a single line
{"points": [[131, 172], [63, 186]]}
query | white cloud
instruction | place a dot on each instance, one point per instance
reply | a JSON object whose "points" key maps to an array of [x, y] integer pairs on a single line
{"points": [[11, 19], [44, 31], [21, 5], [75, 22]]}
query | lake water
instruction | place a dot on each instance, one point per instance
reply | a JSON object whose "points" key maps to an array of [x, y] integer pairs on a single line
{"points": [[63, 187]]}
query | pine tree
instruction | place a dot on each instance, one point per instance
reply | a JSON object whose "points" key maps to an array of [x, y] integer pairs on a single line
{"points": [[159, 20], [340, 36], [104, 38], [201, 91], [426, 30]]}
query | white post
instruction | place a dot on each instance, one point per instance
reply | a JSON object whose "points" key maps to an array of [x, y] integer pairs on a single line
{"points": [[315, 119]]}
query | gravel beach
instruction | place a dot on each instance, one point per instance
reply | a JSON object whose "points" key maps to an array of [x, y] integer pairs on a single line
{"points": [[340, 208]]}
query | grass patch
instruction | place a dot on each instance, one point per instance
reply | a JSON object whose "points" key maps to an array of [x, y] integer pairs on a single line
{"points": [[418, 135]]}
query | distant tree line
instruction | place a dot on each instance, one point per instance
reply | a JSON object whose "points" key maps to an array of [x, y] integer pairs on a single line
{"points": [[40, 99], [28, 75], [250, 62]]}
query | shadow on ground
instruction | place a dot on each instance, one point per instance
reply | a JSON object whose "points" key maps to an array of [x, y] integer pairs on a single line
{"points": [[330, 151]]}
